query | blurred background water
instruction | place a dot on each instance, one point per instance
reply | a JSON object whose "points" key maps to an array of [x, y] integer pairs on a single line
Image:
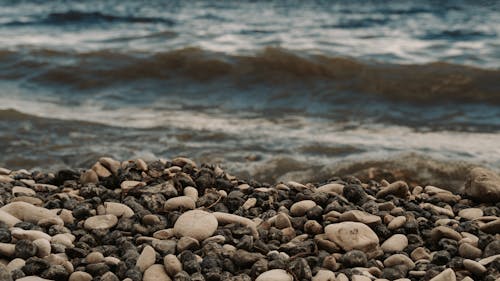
{"points": [[272, 90]]}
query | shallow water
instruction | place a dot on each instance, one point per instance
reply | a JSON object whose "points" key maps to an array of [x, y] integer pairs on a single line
{"points": [[273, 90]]}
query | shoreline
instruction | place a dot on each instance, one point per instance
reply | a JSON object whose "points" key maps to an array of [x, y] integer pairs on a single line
{"points": [[178, 220]]}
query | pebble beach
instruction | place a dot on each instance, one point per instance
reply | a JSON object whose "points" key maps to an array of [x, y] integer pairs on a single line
{"points": [[180, 220]]}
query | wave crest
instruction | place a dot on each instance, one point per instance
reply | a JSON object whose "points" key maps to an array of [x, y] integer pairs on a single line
{"points": [[416, 83]]}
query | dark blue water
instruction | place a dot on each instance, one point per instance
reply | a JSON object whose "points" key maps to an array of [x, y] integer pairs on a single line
{"points": [[263, 87]]}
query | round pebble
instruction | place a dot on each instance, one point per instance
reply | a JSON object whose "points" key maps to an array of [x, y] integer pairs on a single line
{"points": [[196, 224]]}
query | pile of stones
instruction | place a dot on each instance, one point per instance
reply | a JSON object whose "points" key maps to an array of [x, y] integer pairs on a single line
{"points": [[175, 220]]}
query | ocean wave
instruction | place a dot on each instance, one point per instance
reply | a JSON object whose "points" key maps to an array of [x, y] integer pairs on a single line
{"points": [[414, 168], [86, 17], [431, 82]]}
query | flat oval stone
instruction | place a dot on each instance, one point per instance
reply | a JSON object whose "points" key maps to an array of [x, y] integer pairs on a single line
{"points": [[300, 208], [492, 227], [396, 222], [180, 202], [156, 272], [352, 236], [330, 188], [197, 224], [118, 209], [275, 275], [31, 213], [446, 232], [395, 243], [360, 216], [398, 259], [100, 222], [474, 267], [468, 251], [470, 213]]}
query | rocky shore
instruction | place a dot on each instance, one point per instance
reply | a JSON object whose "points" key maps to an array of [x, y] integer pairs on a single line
{"points": [[177, 220]]}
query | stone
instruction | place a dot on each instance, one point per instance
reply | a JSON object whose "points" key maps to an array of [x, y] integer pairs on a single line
{"points": [[129, 185], [100, 170], [141, 164], [146, 259], [300, 208], [398, 188], [324, 275], [4, 178], [420, 253], [468, 251], [25, 249], [187, 243], [395, 243], [483, 185], [492, 227], [196, 224], [32, 278], [355, 194], [65, 239], [55, 272], [101, 222], [474, 267], [109, 276], [444, 232], [396, 222], [446, 275], [94, 257], [493, 248], [14, 264], [357, 277], [164, 246], [182, 161], [313, 227], [43, 246], [352, 236], [360, 216], [488, 260], [282, 221], [180, 202], [398, 259], [8, 219], [111, 164], [118, 209], [7, 249], [191, 192], [225, 218], [156, 272], [470, 213], [23, 190], [250, 203], [89, 176], [31, 213], [32, 235], [275, 275], [172, 265], [5, 273], [354, 258], [331, 188]]}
